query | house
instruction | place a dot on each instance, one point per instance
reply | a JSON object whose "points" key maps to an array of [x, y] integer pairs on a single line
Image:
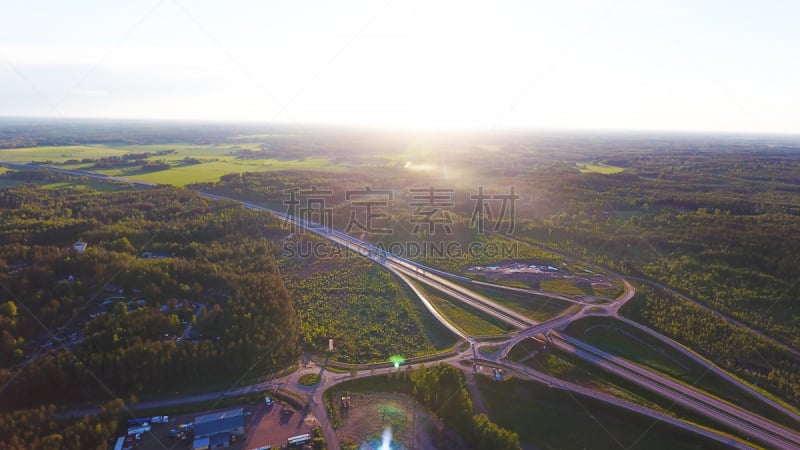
{"points": [[219, 429]]}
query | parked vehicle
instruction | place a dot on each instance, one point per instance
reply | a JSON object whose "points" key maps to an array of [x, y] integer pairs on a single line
{"points": [[140, 429]]}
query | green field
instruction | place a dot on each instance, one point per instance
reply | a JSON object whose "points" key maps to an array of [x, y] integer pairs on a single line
{"points": [[594, 167], [564, 286], [309, 379], [216, 161], [464, 317], [182, 174], [59, 154]]}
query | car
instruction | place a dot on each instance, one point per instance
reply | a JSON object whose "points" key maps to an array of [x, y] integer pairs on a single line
{"points": [[268, 401]]}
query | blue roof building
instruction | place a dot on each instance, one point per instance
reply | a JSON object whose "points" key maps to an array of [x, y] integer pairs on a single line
{"points": [[218, 428]]}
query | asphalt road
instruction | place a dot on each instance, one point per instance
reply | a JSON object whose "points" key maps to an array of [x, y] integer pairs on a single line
{"points": [[723, 412]]}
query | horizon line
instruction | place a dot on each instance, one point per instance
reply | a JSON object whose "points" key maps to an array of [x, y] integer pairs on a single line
{"points": [[404, 128]]}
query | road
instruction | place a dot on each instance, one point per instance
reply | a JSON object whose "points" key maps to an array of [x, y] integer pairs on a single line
{"points": [[691, 354], [762, 429], [744, 421]]}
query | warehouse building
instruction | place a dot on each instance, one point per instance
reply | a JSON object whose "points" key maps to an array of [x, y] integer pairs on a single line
{"points": [[218, 430]]}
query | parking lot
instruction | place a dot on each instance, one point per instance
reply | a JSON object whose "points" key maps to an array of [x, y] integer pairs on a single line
{"points": [[273, 425], [264, 425]]}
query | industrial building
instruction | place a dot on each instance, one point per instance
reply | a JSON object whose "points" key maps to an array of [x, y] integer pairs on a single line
{"points": [[218, 430]]}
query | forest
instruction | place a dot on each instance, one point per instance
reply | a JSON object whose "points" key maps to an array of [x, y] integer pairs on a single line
{"points": [[24, 429], [111, 321]]}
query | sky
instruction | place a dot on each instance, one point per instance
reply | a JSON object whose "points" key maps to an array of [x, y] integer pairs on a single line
{"points": [[726, 66]]}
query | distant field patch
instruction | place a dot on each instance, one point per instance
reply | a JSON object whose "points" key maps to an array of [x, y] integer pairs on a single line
{"points": [[564, 286], [214, 161], [58, 154], [598, 168]]}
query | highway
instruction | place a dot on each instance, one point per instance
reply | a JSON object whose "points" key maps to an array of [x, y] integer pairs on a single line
{"points": [[765, 431], [533, 375], [755, 426], [712, 368]]}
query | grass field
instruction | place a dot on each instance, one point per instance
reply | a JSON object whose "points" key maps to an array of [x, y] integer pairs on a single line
{"points": [[564, 286], [533, 306], [598, 168], [59, 154], [549, 418], [467, 319], [622, 340], [182, 174], [367, 312], [441, 337], [216, 161], [309, 379]]}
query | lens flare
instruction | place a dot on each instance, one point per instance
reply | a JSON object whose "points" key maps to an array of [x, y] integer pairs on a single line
{"points": [[396, 360], [387, 439]]}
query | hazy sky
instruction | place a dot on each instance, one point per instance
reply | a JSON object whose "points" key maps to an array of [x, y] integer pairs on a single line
{"points": [[665, 65]]}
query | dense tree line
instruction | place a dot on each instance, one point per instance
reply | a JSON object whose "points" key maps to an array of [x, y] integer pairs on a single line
{"points": [[442, 389], [748, 356], [25, 429]]}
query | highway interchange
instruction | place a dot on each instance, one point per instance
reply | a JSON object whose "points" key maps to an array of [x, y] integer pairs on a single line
{"points": [[755, 427]]}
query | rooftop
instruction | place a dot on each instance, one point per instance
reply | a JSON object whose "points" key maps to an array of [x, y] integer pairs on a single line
{"points": [[218, 416], [220, 422]]}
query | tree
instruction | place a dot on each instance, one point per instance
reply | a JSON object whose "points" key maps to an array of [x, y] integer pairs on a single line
{"points": [[120, 309], [123, 245], [9, 309]]}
